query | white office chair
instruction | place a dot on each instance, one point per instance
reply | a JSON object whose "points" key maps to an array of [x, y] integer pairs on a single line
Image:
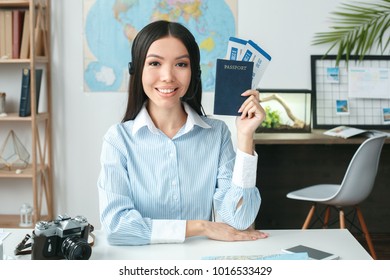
{"points": [[356, 186]]}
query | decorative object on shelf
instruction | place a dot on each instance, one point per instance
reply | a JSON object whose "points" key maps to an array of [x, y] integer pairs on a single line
{"points": [[2, 104], [287, 110], [26, 215], [13, 154], [357, 29]]}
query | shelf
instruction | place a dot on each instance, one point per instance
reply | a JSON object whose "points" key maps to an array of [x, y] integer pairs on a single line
{"points": [[12, 221], [14, 117], [26, 173], [38, 59], [14, 3], [13, 60], [9, 221]]}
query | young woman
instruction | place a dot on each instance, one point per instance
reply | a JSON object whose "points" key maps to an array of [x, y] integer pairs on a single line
{"points": [[166, 167]]}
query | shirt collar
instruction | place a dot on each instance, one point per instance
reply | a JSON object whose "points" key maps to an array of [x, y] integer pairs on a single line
{"points": [[143, 119]]}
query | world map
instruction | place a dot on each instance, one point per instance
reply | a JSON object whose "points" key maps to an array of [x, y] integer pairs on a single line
{"points": [[111, 26]]}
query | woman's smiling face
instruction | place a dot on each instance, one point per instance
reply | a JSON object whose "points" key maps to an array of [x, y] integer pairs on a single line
{"points": [[167, 72]]}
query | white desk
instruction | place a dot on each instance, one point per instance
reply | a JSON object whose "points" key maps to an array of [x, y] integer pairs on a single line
{"points": [[337, 241]]}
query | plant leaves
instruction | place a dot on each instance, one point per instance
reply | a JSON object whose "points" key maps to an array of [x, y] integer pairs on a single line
{"points": [[357, 28]]}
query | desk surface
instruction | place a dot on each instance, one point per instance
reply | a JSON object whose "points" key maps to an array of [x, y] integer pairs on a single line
{"points": [[315, 137], [337, 241]]}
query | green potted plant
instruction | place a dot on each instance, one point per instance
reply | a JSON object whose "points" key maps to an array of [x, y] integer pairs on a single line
{"points": [[358, 28], [272, 118]]}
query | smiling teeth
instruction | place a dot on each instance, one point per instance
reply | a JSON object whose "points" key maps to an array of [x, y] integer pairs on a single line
{"points": [[166, 90]]}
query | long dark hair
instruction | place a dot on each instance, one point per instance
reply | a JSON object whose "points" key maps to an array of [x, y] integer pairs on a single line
{"points": [[150, 33]]}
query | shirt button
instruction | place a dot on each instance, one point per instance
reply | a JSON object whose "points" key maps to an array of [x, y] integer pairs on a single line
{"points": [[173, 183], [174, 197]]}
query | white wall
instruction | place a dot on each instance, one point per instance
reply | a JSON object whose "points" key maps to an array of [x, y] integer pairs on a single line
{"points": [[284, 28]]}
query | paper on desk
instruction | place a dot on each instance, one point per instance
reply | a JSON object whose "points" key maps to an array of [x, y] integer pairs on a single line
{"points": [[3, 234], [292, 256], [374, 133]]}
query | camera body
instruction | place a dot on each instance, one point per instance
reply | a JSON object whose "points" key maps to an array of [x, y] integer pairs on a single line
{"points": [[62, 238]]}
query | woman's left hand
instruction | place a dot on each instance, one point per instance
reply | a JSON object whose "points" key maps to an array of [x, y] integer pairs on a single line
{"points": [[252, 114]]}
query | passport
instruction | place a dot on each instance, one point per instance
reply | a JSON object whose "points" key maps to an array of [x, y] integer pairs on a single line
{"points": [[232, 79]]}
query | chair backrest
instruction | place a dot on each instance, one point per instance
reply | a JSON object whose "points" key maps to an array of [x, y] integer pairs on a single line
{"points": [[360, 176]]}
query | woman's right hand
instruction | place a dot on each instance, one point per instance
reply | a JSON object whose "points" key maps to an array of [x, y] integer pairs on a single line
{"points": [[221, 231]]}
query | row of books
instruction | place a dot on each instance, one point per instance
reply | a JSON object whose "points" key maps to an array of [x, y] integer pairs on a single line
{"points": [[14, 34]]}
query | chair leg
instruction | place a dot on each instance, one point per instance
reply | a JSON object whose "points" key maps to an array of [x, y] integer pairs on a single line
{"points": [[366, 233], [326, 217], [342, 219], [308, 217]]}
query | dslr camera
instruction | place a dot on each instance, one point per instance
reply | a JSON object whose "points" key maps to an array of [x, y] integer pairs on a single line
{"points": [[62, 238]]}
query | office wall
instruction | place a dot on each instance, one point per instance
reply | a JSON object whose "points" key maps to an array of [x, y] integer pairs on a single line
{"points": [[284, 28]]}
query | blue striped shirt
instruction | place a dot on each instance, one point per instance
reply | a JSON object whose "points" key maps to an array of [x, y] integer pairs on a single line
{"points": [[149, 184]]}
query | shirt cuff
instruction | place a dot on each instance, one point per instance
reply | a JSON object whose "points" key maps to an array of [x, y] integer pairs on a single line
{"points": [[168, 231], [245, 169]]}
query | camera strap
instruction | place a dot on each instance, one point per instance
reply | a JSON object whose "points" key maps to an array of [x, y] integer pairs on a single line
{"points": [[91, 239], [24, 247]]}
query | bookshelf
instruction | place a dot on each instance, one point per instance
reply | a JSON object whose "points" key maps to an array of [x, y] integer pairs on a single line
{"points": [[38, 173]]}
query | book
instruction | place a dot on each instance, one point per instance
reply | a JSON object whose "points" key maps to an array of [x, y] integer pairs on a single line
{"points": [[25, 44], [2, 33], [344, 131], [232, 79], [8, 34], [17, 28], [25, 96]]}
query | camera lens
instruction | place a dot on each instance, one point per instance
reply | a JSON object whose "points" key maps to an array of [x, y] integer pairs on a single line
{"points": [[75, 248]]}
